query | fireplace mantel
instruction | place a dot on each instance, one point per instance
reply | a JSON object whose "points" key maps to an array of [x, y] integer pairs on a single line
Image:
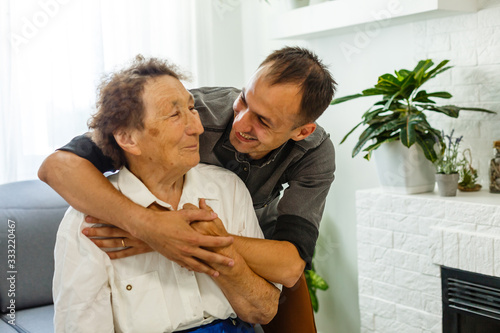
{"points": [[402, 242]]}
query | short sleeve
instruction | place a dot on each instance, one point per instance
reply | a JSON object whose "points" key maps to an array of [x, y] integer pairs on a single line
{"points": [[84, 147]]}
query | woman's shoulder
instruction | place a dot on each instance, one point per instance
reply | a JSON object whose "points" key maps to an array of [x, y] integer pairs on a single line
{"points": [[213, 171]]}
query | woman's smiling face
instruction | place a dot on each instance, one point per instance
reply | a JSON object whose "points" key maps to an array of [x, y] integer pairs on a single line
{"points": [[171, 124]]}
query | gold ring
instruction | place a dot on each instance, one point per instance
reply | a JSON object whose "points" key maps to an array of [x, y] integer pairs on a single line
{"points": [[123, 242]]}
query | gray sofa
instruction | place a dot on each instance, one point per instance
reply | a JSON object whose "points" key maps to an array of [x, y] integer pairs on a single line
{"points": [[30, 213]]}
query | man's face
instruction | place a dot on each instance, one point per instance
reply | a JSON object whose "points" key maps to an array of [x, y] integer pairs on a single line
{"points": [[265, 116], [171, 125]]}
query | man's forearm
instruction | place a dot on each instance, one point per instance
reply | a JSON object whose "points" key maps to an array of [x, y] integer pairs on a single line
{"points": [[87, 190], [254, 299], [276, 261]]}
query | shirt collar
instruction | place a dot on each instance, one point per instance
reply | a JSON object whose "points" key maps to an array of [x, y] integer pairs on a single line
{"points": [[194, 189]]}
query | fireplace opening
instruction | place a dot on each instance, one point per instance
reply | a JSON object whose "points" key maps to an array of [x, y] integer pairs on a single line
{"points": [[471, 302]]}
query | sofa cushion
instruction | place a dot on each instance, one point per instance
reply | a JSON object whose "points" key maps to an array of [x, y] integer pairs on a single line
{"points": [[30, 213], [35, 320]]}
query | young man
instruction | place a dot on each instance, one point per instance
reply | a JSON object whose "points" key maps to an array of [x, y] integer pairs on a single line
{"points": [[268, 138]]}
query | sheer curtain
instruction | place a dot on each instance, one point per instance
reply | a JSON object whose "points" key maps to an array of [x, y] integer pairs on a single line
{"points": [[52, 54]]}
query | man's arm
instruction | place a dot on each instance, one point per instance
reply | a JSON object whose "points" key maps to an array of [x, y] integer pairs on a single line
{"points": [[88, 191], [253, 298], [277, 261]]}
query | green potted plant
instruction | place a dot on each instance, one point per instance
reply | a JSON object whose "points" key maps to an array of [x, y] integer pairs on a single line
{"points": [[448, 165], [468, 174], [400, 115]]}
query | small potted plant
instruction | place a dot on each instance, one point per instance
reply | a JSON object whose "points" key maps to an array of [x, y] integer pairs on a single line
{"points": [[448, 165], [468, 174]]}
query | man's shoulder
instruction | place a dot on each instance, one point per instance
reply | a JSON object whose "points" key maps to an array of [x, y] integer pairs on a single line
{"points": [[215, 105], [319, 138], [215, 92]]}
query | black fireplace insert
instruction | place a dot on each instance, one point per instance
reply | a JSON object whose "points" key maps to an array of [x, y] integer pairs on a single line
{"points": [[471, 302]]}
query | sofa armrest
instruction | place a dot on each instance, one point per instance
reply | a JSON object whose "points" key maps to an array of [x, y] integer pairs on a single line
{"points": [[30, 213]]}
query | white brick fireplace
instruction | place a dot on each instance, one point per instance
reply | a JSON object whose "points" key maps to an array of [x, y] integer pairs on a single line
{"points": [[403, 240]]}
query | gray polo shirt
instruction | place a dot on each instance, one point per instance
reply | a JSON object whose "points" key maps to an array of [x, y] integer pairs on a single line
{"points": [[304, 167]]}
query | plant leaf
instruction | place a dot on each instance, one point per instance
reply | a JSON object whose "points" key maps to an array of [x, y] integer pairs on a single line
{"points": [[408, 134], [422, 97], [314, 301], [474, 109], [427, 142], [388, 81], [391, 100], [377, 144], [440, 94], [317, 281], [373, 131], [402, 74], [437, 70], [381, 118], [409, 85], [376, 91], [352, 130], [452, 110], [420, 69], [449, 110], [345, 99]]}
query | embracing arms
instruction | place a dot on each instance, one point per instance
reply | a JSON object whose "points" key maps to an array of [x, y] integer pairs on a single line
{"points": [[87, 190]]}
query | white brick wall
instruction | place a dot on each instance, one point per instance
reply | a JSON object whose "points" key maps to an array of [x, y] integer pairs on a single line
{"points": [[403, 240], [472, 43]]}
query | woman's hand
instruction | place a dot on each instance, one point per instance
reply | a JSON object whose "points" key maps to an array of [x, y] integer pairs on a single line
{"points": [[121, 243]]}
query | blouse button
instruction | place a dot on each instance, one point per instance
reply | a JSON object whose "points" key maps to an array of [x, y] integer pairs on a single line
{"points": [[129, 287]]}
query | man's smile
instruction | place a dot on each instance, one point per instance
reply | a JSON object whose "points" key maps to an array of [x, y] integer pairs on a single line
{"points": [[246, 137]]}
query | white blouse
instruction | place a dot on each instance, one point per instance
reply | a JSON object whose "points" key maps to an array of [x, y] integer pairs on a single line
{"points": [[146, 292]]}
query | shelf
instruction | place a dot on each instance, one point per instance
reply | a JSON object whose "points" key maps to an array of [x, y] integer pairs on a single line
{"points": [[340, 16]]}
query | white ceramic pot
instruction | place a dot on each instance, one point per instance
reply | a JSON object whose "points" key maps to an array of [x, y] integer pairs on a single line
{"points": [[298, 3], [447, 184], [404, 170]]}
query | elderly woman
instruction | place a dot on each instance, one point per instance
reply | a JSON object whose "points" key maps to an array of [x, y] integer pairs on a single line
{"points": [[146, 122]]}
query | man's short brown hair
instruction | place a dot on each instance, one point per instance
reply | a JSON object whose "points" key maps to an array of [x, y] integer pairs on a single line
{"points": [[120, 102], [300, 66]]}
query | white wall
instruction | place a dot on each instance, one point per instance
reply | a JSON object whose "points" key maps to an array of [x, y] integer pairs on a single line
{"points": [[339, 305], [470, 41]]}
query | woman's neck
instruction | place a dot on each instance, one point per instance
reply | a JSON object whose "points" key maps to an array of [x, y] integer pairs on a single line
{"points": [[165, 184]]}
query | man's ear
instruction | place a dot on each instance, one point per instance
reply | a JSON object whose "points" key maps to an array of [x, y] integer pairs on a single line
{"points": [[304, 131], [126, 139]]}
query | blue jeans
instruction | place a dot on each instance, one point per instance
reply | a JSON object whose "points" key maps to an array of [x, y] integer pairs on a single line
{"points": [[223, 326]]}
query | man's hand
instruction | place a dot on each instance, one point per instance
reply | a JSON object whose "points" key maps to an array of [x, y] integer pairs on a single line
{"points": [[170, 233], [113, 237], [214, 227], [172, 236]]}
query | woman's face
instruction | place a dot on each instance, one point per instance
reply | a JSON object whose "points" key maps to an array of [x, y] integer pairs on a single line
{"points": [[172, 126]]}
